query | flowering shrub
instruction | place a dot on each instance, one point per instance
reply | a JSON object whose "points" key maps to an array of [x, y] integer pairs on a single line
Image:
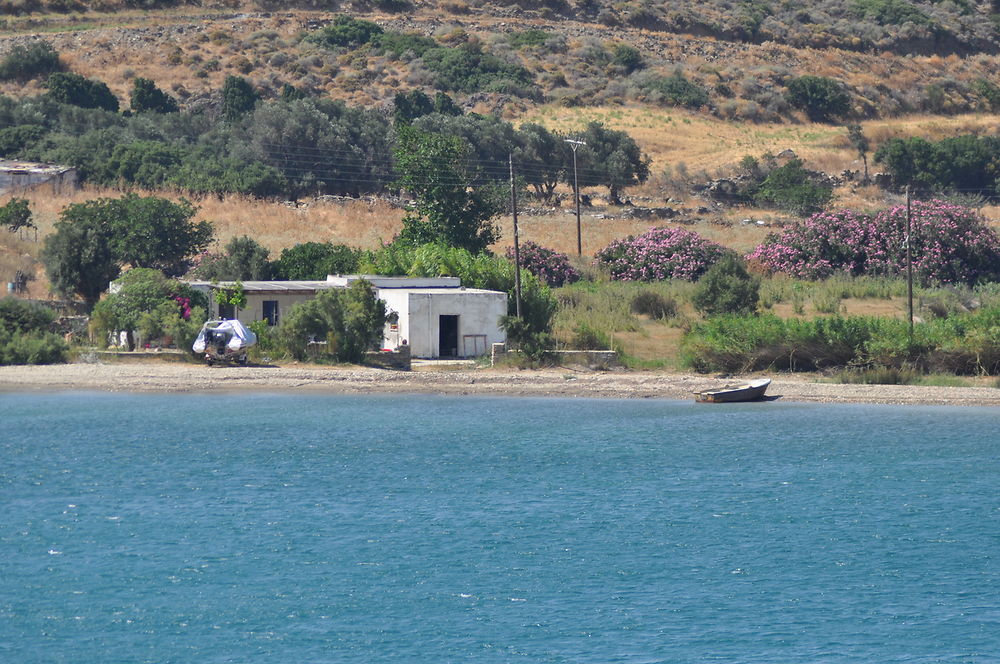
{"points": [[825, 243], [950, 244], [660, 253], [550, 266]]}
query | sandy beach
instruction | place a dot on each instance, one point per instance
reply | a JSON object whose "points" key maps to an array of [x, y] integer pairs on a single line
{"points": [[560, 382]]}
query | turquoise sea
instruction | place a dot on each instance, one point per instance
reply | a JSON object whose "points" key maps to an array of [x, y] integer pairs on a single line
{"points": [[315, 528]]}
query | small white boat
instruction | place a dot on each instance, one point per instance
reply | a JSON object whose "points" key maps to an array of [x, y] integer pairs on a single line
{"points": [[752, 391], [224, 341]]}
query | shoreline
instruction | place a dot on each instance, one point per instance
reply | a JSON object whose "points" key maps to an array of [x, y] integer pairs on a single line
{"points": [[171, 377]]}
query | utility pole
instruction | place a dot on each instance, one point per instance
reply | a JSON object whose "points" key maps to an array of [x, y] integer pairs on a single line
{"points": [[909, 264], [576, 192], [517, 246]]}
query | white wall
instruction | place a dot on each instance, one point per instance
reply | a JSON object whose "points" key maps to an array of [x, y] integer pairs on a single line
{"points": [[478, 312]]}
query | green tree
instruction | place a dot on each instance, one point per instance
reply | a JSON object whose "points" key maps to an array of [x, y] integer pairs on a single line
{"points": [[147, 97], [78, 257], [820, 97], [409, 106], [541, 158], [149, 231], [610, 158], [727, 288], [860, 142], [70, 88], [454, 206], [16, 214], [316, 260], [147, 301], [238, 98], [244, 258], [94, 239], [351, 320]]}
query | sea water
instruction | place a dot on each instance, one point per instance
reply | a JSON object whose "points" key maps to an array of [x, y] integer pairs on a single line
{"points": [[313, 528]]}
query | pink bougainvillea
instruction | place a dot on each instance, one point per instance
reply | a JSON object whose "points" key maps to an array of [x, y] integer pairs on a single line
{"points": [[950, 244], [548, 265], [660, 253]]}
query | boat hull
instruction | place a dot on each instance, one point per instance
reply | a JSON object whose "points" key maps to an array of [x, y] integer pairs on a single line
{"points": [[752, 391]]}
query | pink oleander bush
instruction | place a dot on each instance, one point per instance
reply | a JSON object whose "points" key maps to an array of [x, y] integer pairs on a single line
{"points": [[951, 244], [548, 265], [660, 253]]}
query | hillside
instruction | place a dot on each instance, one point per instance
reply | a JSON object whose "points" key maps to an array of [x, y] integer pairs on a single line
{"points": [[699, 87]]}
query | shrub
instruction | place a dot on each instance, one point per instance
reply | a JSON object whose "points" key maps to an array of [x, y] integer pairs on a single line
{"points": [[244, 258], [147, 97], [238, 97], [528, 38], [69, 88], [727, 288], [468, 68], [660, 253], [791, 188], [654, 305], [399, 43], [23, 63], [988, 91], [350, 320], [630, 59], [890, 12], [820, 97], [15, 214], [678, 91], [586, 337], [950, 244], [550, 266], [345, 31], [17, 138]]}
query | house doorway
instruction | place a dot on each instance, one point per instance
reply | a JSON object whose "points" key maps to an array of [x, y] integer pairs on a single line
{"points": [[448, 336]]}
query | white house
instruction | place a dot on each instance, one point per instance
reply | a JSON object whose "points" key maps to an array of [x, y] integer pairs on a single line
{"points": [[436, 317]]}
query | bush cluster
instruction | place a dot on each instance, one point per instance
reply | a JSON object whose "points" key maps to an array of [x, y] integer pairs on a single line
{"points": [[550, 266], [24, 334], [964, 163], [964, 344], [660, 253], [950, 244], [23, 63]]}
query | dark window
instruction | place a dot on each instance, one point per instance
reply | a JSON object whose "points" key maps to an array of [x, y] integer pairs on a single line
{"points": [[271, 312], [227, 311]]}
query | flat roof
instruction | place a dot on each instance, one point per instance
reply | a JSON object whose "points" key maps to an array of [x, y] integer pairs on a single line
{"points": [[443, 291], [32, 167], [380, 281], [311, 286], [276, 286]]}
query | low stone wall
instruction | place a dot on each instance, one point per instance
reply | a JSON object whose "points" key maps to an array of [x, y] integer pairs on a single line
{"points": [[398, 359], [592, 359]]}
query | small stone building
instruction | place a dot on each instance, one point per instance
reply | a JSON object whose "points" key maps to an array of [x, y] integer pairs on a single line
{"points": [[17, 176], [436, 317]]}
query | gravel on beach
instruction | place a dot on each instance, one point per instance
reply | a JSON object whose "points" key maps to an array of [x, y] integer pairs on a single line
{"points": [[559, 382]]}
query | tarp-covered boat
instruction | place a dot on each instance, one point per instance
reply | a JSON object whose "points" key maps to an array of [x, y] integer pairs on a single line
{"points": [[224, 341], [752, 391]]}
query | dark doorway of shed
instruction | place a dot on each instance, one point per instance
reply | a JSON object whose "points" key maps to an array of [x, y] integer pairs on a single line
{"points": [[448, 336]]}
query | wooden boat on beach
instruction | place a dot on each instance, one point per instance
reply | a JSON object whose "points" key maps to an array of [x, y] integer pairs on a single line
{"points": [[751, 391]]}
